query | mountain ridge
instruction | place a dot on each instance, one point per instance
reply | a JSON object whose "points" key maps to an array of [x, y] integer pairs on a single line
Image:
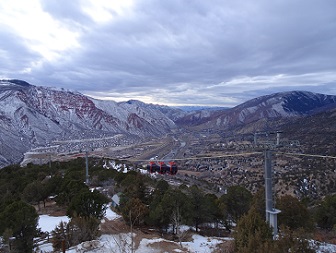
{"points": [[273, 106], [33, 116]]}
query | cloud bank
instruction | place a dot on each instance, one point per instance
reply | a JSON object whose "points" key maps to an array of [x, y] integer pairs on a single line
{"points": [[171, 52]]}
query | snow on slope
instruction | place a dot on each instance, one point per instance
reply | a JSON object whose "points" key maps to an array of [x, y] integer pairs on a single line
{"points": [[32, 116], [274, 106]]}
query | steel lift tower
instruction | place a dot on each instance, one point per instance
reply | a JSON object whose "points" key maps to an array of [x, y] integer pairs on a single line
{"points": [[268, 147], [271, 212]]}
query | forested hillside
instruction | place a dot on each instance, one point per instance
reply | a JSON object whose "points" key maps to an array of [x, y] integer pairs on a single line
{"points": [[147, 202]]}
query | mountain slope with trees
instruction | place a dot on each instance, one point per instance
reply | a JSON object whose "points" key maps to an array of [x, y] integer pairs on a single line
{"points": [[147, 202]]}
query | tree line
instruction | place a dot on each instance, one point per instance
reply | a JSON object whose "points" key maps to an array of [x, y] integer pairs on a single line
{"points": [[24, 190]]}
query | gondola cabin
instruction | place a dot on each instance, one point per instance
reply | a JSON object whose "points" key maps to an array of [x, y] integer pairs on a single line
{"points": [[162, 168]]}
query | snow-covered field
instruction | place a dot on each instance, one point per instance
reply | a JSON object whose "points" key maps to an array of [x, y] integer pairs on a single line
{"points": [[48, 223], [121, 243]]}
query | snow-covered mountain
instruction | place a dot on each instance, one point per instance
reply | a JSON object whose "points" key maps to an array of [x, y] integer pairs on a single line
{"points": [[269, 107], [32, 116]]}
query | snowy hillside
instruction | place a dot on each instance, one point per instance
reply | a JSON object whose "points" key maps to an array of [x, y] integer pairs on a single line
{"points": [[275, 106], [34, 116]]}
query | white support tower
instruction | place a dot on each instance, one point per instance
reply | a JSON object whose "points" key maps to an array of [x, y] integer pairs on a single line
{"points": [[269, 147], [271, 212]]}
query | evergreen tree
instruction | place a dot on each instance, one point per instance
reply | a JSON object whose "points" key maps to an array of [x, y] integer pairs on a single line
{"points": [[176, 203], [326, 213], [84, 229], [223, 214], [69, 189], [252, 234], [135, 187], [61, 236], [238, 200], [88, 204], [157, 217], [22, 220], [199, 208], [79, 229], [293, 214], [258, 202], [157, 208], [33, 192]]}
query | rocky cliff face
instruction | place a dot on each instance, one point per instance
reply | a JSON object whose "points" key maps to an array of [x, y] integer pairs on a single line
{"points": [[32, 116]]}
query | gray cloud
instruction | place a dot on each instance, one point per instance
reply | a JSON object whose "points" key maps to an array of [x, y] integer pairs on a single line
{"points": [[196, 52], [65, 10]]}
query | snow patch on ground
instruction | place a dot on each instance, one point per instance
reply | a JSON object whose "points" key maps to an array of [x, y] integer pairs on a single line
{"points": [[48, 223], [202, 244], [111, 215], [120, 243], [325, 247]]}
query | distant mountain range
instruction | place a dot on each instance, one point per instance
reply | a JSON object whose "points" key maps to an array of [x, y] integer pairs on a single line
{"points": [[32, 116], [200, 108], [267, 108]]}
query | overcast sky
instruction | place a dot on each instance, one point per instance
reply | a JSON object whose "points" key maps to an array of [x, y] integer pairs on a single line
{"points": [[174, 52]]}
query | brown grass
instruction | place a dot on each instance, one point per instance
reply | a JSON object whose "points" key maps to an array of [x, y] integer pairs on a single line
{"points": [[51, 208]]}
